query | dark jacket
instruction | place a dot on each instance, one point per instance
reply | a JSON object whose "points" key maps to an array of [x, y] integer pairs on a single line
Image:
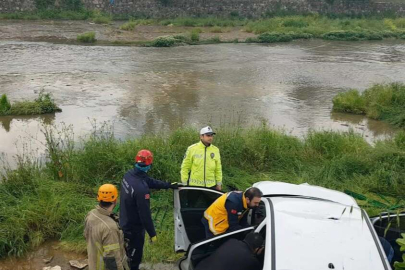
{"points": [[135, 201], [232, 255]]}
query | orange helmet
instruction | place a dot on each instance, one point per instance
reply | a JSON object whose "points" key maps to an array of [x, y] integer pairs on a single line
{"points": [[107, 193], [144, 156]]}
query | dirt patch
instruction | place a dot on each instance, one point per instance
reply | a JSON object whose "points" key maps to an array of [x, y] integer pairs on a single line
{"points": [[50, 254], [65, 31]]}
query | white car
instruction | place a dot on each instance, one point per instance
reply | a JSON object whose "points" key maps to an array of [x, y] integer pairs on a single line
{"points": [[305, 228]]}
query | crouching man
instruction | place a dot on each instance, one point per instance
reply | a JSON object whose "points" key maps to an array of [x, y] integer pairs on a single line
{"points": [[105, 240]]}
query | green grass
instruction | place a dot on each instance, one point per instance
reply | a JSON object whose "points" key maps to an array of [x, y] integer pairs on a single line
{"points": [[88, 37], [330, 28], [41, 105], [50, 201], [382, 102], [129, 26], [100, 19]]}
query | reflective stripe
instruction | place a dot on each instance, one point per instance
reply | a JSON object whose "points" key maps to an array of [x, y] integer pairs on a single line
{"points": [[210, 223], [111, 247]]}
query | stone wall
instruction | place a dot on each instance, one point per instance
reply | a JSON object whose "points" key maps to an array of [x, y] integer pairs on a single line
{"points": [[9, 6], [245, 8]]}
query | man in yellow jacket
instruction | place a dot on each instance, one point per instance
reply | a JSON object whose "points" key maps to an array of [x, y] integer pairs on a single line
{"points": [[229, 212], [105, 240], [202, 163]]}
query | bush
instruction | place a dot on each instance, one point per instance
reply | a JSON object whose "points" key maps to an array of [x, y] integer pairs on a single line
{"points": [[298, 23], [274, 37], [88, 37], [215, 39]]}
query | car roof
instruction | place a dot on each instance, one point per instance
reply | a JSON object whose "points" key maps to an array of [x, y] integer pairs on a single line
{"points": [[274, 188]]}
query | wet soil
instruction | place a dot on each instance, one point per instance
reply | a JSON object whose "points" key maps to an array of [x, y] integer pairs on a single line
{"points": [[37, 259]]}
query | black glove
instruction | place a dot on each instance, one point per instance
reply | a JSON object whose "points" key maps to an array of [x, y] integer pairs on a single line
{"points": [[174, 185]]}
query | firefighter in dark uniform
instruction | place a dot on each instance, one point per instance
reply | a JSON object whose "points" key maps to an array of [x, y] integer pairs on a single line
{"points": [[236, 255], [135, 214]]}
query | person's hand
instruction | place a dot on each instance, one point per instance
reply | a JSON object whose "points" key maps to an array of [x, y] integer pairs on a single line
{"points": [[153, 239], [218, 187], [174, 185]]}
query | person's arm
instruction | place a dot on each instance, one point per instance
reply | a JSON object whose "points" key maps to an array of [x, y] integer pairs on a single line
{"points": [[233, 220], [157, 184], [186, 167], [218, 173], [142, 201], [111, 250]]}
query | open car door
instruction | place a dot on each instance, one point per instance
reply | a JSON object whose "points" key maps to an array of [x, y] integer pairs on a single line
{"points": [[189, 206]]}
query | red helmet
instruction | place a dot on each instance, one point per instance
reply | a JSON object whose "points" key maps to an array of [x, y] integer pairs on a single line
{"points": [[144, 156]]}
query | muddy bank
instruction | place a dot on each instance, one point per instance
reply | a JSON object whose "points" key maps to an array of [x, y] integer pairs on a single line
{"points": [[51, 254], [67, 31]]}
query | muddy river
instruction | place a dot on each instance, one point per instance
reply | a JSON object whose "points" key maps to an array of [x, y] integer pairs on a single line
{"points": [[144, 90]]}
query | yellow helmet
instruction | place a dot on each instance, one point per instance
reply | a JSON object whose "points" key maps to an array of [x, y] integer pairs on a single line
{"points": [[107, 193]]}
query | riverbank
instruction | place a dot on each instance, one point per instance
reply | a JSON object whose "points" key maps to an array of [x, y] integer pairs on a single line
{"points": [[49, 201], [142, 32]]}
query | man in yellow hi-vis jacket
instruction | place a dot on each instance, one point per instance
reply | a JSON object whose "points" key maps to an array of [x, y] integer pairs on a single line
{"points": [[202, 163], [105, 240]]}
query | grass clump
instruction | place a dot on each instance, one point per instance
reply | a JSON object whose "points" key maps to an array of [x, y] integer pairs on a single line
{"points": [[381, 101], [128, 26], [274, 37], [5, 105], [195, 35], [43, 104], [88, 37]]}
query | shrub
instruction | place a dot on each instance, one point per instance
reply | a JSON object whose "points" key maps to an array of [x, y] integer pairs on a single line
{"points": [[88, 37], [215, 39]]}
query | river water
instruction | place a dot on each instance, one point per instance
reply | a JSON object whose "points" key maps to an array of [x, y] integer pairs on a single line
{"points": [[145, 90]]}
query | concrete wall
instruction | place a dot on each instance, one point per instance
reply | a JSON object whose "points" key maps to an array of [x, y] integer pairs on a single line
{"points": [[246, 8]]}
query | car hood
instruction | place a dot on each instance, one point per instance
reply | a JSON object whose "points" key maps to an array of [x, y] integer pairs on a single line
{"points": [[313, 234]]}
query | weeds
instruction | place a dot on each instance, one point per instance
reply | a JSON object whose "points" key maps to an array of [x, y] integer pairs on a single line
{"points": [[129, 26], [195, 35], [381, 101], [41, 105], [401, 243], [88, 37], [100, 19]]}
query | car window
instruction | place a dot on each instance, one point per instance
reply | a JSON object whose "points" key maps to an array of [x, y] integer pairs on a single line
{"points": [[390, 228], [197, 198], [258, 214]]}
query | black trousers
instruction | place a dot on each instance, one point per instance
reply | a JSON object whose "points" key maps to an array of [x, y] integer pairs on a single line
{"points": [[135, 241]]}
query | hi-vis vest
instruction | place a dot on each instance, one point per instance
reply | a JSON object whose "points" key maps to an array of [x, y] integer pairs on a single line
{"points": [[217, 214], [201, 166]]}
